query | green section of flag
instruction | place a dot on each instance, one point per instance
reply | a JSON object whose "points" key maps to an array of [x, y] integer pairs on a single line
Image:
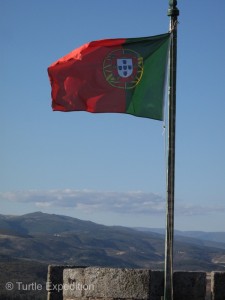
{"points": [[147, 98]]}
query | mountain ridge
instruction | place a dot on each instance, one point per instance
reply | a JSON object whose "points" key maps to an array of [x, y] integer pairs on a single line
{"points": [[51, 238]]}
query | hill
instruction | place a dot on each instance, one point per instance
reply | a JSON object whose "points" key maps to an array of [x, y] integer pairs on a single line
{"points": [[200, 235], [51, 238]]}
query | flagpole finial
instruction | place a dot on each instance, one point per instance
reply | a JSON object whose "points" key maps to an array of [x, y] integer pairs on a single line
{"points": [[173, 10]]}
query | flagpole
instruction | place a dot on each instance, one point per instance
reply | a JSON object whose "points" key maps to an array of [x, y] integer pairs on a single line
{"points": [[173, 13]]}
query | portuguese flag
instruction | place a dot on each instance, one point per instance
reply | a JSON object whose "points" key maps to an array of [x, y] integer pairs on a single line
{"points": [[113, 76]]}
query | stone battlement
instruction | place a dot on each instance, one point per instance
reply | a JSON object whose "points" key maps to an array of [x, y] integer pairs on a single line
{"points": [[94, 283]]}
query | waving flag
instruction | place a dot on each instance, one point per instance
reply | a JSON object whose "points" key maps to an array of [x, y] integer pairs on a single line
{"points": [[113, 76]]}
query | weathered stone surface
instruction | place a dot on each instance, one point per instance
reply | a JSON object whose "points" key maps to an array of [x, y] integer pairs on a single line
{"points": [[106, 283], [94, 283], [189, 285], [55, 276], [156, 285], [218, 285], [54, 284]]}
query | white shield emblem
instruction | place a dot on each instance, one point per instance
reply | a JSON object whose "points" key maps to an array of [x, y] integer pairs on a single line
{"points": [[124, 67]]}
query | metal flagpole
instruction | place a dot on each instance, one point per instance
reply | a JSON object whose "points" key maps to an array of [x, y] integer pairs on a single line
{"points": [[173, 13]]}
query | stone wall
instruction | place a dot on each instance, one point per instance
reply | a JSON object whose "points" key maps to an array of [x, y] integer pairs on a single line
{"points": [[94, 283], [218, 285]]}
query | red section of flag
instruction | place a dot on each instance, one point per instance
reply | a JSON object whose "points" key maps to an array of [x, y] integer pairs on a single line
{"points": [[78, 82]]}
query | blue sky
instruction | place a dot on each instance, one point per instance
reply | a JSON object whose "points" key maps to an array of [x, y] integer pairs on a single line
{"points": [[110, 168]]}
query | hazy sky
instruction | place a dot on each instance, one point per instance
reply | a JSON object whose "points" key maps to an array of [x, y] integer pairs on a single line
{"points": [[110, 168]]}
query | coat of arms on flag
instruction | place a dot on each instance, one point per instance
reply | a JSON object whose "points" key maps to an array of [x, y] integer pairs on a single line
{"points": [[123, 68]]}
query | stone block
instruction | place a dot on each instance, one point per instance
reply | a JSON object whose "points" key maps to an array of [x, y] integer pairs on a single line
{"points": [[189, 285], [218, 285], [106, 283], [156, 285], [54, 284]]}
